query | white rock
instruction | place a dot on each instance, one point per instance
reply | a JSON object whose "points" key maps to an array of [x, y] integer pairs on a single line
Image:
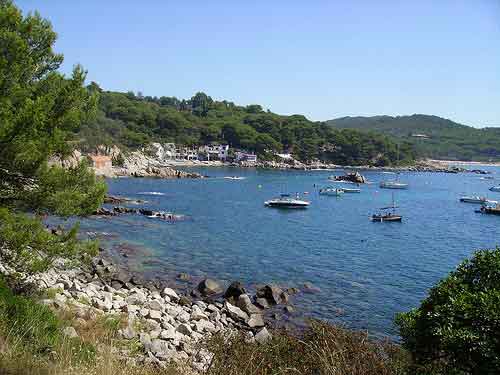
{"points": [[155, 305], [168, 334], [70, 332], [263, 336], [236, 312], [255, 320], [155, 315], [171, 294]]}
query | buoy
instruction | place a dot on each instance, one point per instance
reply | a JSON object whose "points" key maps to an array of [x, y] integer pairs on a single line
{"points": [[259, 186]]}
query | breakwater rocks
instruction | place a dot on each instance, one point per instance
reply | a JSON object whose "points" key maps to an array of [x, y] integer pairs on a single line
{"points": [[168, 325]]}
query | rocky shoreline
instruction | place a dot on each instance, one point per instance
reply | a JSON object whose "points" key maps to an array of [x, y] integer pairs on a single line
{"points": [[169, 325], [143, 164]]}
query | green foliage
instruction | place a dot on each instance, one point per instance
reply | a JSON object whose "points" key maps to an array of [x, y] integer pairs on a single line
{"points": [[72, 191], [40, 110], [39, 107], [132, 122], [456, 330], [448, 140], [33, 327], [33, 247]]}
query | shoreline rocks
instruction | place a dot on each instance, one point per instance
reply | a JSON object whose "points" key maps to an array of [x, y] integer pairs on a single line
{"points": [[167, 324]]}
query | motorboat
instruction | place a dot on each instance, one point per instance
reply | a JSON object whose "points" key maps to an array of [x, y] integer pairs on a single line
{"points": [[393, 185], [351, 190], [387, 214], [490, 209], [336, 192], [495, 189], [287, 201], [475, 199], [234, 178]]}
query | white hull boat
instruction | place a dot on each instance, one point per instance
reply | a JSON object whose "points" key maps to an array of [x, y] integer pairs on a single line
{"points": [[476, 200], [393, 185], [285, 201], [331, 192], [495, 189]]}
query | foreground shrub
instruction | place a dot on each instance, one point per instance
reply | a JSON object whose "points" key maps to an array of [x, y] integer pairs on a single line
{"points": [[321, 349], [456, 330]]}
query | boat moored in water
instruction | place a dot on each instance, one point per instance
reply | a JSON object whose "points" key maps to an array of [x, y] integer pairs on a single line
{"points": [[490, 209], [393, 185], [351, 190], [475, 199], [381, 217], [387, 214], [495, 189], [331, 191], [286, 201]]}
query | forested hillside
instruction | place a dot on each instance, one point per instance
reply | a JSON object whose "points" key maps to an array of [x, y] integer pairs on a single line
{"points": [[447, 139], [131, 121]]}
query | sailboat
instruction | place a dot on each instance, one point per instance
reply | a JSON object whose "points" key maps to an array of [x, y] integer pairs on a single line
{"points": [[395, 184], [387, 214]]}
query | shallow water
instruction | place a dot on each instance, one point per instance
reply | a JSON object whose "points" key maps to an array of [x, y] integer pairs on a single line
{"points": [[366, 272]]}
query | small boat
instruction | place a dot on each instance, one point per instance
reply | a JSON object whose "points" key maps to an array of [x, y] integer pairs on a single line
{"points": [[387, 214], [393, 185], [495, 189], [351, 190], [286, 201], [475, 199], [234, 178], [331, 191], [489, 209], [389, 217]]}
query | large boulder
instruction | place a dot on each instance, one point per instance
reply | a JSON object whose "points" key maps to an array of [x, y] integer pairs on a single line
{"points": [[234, 290], [244, 303], [236, 313], [273, 294], [263, 336], [209, 287]]}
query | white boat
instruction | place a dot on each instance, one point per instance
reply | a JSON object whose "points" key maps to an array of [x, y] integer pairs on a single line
{"points": [[476, 199], [495, 189], [393, 185], [331, 191], [351, 190], [234, 178], [286, 201]]}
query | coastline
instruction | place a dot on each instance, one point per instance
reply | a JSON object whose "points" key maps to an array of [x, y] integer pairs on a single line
{"points": [[169, 324]]}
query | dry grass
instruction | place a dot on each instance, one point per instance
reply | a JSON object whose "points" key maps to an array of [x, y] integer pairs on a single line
{"points": [[322, 349]]}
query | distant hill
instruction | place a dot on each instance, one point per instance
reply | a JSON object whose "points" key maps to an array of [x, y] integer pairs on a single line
{"points": [[432, 136], [132, 121]]}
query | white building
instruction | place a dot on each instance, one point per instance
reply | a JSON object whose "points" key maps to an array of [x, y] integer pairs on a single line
{"points": [[215, 152], [223, 152], [243, 156]]}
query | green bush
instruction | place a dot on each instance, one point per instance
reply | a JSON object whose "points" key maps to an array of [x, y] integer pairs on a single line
{"points": [[456, 330], [34, 328], [27, 322]]}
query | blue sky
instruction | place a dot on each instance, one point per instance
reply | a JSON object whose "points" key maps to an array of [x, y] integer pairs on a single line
{"points": [[323, 59]]}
